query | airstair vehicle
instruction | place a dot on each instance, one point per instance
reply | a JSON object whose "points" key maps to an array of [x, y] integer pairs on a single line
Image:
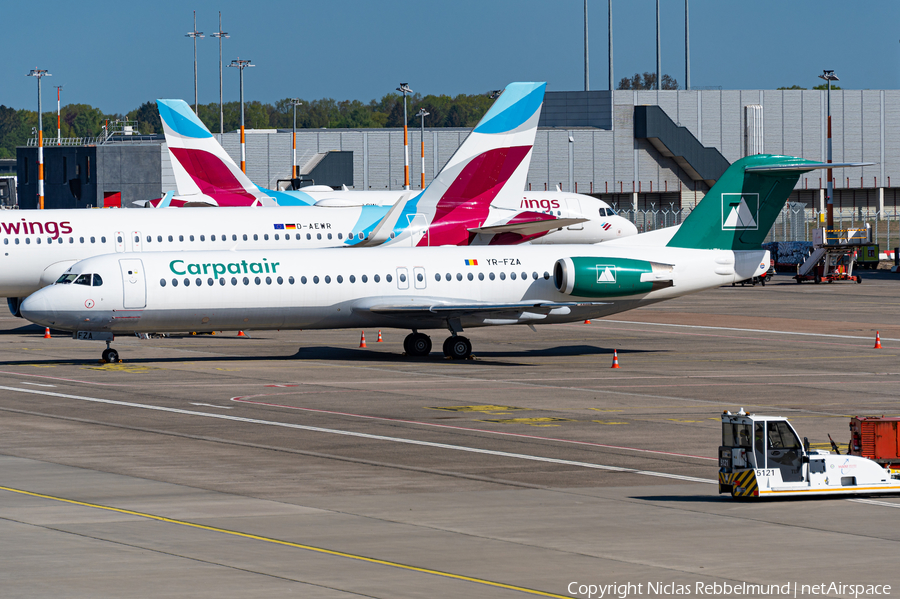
{"points": [[834, 255], [761, 456]]}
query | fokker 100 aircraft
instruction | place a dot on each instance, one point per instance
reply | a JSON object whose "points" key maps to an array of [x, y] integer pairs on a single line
{"points": [[450, 288], [37, 246]]}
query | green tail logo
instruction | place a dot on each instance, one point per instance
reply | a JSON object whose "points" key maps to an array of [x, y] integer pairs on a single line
{"points": [[742, 206]]}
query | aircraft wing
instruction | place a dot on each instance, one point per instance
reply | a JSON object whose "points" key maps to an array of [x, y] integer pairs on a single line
{"points": [[804, 166], [444, 311], [530, 227]]}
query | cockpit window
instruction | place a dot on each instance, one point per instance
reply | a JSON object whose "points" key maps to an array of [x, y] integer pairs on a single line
{"points": [[97, 281], [66, 278], [83, 280], [607, 212]]}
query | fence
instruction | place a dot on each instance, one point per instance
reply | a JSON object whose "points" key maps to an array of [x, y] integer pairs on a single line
{"points": [[795, 222]]}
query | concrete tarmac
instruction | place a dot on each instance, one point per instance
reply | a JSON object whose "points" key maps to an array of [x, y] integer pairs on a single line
{"points": [[294, 463]]}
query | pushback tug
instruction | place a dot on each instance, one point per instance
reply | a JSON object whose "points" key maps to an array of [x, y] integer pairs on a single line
{"points": [[761, 456]]}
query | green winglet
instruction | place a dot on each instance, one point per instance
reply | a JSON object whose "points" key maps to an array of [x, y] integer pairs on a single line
{"points": [[742, 206]]}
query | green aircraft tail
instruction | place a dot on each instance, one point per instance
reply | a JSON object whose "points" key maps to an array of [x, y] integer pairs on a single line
{"points": [[740, 209]]}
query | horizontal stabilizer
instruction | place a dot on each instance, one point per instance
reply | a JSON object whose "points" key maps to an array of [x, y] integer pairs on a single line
{"points": [[530, 227], [802, 168]]}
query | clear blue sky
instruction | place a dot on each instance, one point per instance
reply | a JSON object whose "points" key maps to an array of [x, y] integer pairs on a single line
{"points": [[116, 55]]}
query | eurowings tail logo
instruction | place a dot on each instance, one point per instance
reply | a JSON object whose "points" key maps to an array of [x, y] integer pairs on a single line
{"points": [[740, 211], [606, 273]]}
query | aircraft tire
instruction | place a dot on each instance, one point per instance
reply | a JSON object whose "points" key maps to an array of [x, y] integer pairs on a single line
{"points": [[110, 356], [458, 348], [417, 344]]}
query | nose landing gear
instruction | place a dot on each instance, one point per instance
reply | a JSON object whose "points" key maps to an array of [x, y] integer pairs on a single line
{"points": [[109, 355]]}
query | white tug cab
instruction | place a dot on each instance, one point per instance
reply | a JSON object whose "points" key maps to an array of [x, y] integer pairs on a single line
{"points": [[761, 456]]}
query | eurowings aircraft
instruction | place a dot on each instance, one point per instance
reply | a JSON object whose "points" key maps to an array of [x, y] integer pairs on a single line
{"points": [[450, 288], [455, 209], [206, 175]]}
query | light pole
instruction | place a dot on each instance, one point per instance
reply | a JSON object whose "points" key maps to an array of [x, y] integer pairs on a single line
{"points": [[220, 34], [241, 65], [829, 76], [658, 53], [195, 34], [58, 137], [422, 113], [587, 81], [404, 89], [40, 73], [295, 102]]}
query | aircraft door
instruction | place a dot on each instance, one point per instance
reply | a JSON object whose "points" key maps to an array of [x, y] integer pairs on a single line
{"points": [[136, 241], [120, 241], [402, 278], [419, 277], [574, 208], [134, 284], [418, 226]]}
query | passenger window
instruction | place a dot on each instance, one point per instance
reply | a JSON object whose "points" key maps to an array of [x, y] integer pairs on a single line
{"points": [[92, 240], [257, 280], [199, 282], [316, 279], [246, 280], [276, 237], [376, 278], [546, 276], [318, 236], [534, 276], [524, 275], [234, 281], [502, 276], [298, 236], [447, 276], [360, 235], [352, 278], [211, 238], [234, 237], [17, 240], [340, 235], [303, 280], [103, 239], [329, 236], [170, 238], [291, 280], [340, 279], [469, 276], [255, 237], [245, 237], [27, 241], [191, 238], [209, 282], [162, 282], [364, 279], [402, 278], [280, 280], [481, 276], [202, 238], [37, 240], [491, 276], [97, 281], [119, 239], [459, 276], [83, 280], [181, 238], [308, 236], [222, 281], [266, 237], [268, 280], [512, 276], [187, 282], [437, 277], [174, 282], [388, 278]]}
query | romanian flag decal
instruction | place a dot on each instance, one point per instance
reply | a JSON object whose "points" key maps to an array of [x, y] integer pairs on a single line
{"points": [[471, 262]]}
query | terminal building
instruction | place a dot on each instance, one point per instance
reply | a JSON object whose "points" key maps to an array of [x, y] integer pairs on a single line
{"points": [[639, 150]]}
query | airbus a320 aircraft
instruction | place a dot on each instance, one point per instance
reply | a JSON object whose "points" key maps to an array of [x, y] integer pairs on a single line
{"points": [[427, 288], [37, 246], [206, 175]]}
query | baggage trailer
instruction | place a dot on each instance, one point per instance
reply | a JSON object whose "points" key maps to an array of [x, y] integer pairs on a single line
{"points": [[876, 438], [761, 456]]}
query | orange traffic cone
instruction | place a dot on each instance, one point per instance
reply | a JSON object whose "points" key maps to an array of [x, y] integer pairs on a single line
{"points": [[47, 333], [615, 363], [587, 322], [379, 340], [362, 339], [241, 334], [877, 339]]}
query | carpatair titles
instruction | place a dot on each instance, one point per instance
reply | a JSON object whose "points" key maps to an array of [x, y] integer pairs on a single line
{"points": [[180, 267]]}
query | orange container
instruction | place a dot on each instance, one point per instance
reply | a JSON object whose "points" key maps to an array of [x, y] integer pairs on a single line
{"points": [[876, 438]]}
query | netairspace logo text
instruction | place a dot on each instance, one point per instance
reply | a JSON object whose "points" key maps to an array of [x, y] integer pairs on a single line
{"points": [[724, 589]]}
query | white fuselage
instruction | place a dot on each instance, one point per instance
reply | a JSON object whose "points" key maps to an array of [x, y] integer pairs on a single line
{"points": [[338, 288], [37, 246]]}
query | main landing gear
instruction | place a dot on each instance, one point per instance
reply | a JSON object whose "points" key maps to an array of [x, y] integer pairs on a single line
{"points": [[455, 347], [109, 355]]}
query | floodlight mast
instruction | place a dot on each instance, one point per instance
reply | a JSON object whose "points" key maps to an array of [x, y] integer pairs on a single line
{"points": [[295, 102], [194, 35], [220, 34], [241, 65], [58, 120], [422, 113], [404, 89], [39, 74], [829, 76]]}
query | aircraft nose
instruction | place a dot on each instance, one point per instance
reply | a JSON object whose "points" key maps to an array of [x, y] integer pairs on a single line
{"points": [[628, 228], [37, 309]]}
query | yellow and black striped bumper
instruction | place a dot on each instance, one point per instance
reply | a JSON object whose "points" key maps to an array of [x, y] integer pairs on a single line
{"points": [[743, 483]]}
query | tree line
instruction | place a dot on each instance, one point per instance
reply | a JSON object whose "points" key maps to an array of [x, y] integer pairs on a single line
{"points": [[83, 120]]}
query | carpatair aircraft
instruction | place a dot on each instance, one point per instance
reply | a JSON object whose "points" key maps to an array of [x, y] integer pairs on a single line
{"points": [[456, 208], [452, 288]]}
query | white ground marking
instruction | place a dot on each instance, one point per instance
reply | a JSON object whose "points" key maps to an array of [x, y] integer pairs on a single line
{"points": [[873, 502], [194, 403], [697, 326], [505, 454], [37, 384]]}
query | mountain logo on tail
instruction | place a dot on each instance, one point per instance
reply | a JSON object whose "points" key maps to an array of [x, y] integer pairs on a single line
{"points": [[740, 211], [606, 273]]}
